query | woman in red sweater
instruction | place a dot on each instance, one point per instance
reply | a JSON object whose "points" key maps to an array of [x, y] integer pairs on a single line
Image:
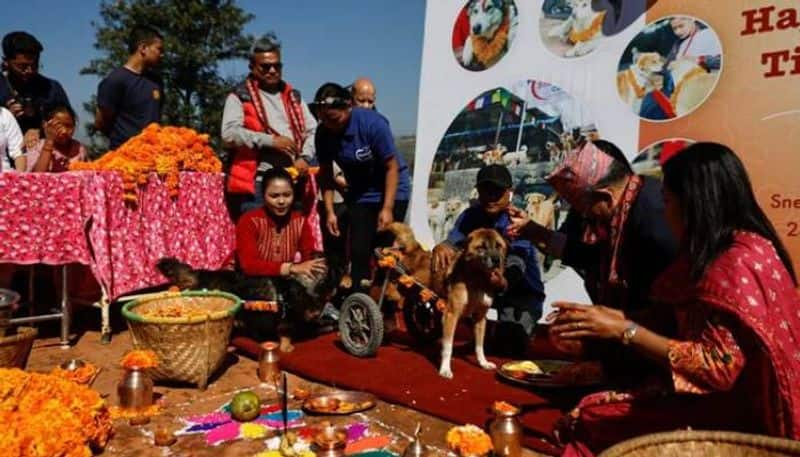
{"points": [[277, 242]]}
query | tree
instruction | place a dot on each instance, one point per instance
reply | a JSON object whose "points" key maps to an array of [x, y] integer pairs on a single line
{"points": [[198, 35]]}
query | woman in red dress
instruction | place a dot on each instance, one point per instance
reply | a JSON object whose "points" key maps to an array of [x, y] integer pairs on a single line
{"points": [[734, 361], [278, 242]]}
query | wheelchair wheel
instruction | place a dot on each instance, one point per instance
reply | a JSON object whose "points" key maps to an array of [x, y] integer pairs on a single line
{"points": [[423, 320], [361, 325]]}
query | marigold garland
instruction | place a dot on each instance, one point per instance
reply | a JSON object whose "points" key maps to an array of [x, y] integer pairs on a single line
{"points": [[165, 150], [81, 375], [140, 359], [469, 440], [47, 416]]}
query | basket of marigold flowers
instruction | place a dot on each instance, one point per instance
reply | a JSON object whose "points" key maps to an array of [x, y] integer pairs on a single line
{"points": [[187, 331]]}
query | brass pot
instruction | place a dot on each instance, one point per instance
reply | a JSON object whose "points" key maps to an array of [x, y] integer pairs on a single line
{"points": [[135, 390]]}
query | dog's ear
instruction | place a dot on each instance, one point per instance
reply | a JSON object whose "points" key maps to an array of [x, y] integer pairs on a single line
{"points": [[171, 267]]}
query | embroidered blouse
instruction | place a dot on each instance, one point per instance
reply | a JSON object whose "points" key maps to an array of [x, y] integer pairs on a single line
{"points": [[264, 245]]}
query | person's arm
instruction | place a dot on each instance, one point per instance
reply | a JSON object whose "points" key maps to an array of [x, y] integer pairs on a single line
{"points": [[233, 131], [308, 153], [45, 156], [382, 143], [247, 252], [14, 137], [109, 95]]}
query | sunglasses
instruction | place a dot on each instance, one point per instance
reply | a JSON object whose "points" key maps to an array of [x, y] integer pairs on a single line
{"points": [[265, 67], [331, 102]]}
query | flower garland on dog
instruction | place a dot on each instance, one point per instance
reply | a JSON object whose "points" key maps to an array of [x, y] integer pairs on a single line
{"points": [[164, 150], [45, 415]]}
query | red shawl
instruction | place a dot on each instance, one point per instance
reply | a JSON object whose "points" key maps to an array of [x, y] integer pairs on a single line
{"points": [[749, 281]]}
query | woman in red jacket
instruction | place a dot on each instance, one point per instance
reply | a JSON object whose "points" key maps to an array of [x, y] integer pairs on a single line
{"points": [[277, 242]]}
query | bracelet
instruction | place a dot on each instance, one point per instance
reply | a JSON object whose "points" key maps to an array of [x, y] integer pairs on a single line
{"points": [[629, 333]]}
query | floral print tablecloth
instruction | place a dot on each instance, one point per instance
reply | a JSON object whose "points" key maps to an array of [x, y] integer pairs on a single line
{"points": [[80, 217]]}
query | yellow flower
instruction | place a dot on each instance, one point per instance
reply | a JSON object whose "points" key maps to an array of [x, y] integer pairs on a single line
{"points": [[253, 431]]}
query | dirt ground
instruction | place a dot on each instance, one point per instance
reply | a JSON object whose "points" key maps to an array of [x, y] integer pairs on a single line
{"points": [[238, 373]]}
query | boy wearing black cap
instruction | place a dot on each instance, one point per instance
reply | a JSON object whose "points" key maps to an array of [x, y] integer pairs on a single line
{"points": [[520, 306]]}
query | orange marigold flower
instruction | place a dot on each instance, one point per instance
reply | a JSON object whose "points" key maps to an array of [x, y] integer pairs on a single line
{"points": [[406, 280], [469, 440], [441, 304], [34, 405], [139, 358], [426, 295], [164, 150], [388, 261]]}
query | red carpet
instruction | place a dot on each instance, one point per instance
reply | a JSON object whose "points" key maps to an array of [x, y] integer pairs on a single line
{"points": [[403, 376]]}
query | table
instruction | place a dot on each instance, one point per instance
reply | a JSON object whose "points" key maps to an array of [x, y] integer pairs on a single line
{"points": [[81, 217]]}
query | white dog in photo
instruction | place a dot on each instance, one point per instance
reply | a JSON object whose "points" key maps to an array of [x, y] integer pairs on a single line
{"points": [[436, 218], [582, 29], [515, 159], [492, 26], [453, 208]]}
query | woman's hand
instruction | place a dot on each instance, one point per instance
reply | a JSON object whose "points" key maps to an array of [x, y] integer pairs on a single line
{"points": [[385, 217], [332, 224], [310, 268], [577, 321]]}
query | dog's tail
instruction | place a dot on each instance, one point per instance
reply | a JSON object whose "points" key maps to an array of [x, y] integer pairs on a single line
{"points": [[174, 270]]}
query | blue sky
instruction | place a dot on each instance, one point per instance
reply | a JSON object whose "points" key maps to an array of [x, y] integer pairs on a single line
{"points": [[323, 40]]}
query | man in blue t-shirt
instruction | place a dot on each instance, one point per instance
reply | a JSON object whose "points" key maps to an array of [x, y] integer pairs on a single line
{"points": [[25, 92], [131, 97], [379, 186], [520, 305]]}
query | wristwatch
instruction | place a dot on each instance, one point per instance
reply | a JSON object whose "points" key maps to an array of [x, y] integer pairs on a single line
{"points": [[629, 333]]}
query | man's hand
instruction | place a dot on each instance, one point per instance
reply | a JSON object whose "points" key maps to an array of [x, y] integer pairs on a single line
{"points": [[444, 254], [332, 224], [385, 217], [15, 107], [31, 138], [285, 145], [519, 220]]}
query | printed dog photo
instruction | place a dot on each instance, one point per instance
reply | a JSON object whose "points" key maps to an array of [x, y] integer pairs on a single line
{"points": [[541, 125], [669, 68], [483, 32], [571, 28]]}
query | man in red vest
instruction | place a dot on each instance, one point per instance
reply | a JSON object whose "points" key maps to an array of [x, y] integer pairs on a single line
{"points": [[265, 124]]}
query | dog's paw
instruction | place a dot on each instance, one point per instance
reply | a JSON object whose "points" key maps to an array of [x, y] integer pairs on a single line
{"points": [[487, 365], [446, 373]]}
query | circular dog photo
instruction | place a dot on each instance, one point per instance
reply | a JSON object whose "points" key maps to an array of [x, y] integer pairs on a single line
{"points": [[571, 28], [528, 127], [648, 161], [483, 32], [669, 68]]}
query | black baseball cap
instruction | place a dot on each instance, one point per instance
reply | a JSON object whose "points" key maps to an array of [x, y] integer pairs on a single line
{"points": [[497, 175]]}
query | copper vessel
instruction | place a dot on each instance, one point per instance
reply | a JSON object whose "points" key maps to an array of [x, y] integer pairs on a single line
{"points": [[135, 390], [506, 433], [269, 368]]}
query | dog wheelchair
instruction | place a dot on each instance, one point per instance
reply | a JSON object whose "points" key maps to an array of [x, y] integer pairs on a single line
{"points": [[361, 318]]}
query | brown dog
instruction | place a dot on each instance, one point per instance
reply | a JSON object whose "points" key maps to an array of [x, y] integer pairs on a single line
{"points": [[473, 280], [416, 260]]}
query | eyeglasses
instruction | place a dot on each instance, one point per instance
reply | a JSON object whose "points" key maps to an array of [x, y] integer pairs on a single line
{"points": [[24, 67], [265, 67]]}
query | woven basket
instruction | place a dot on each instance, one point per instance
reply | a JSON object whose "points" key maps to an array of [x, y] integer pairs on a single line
{"points": [[15, 349], [189, 349], [698, 443]]}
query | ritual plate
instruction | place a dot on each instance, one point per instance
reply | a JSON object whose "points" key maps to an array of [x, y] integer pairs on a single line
{"points": [[339, 403], [552, 373]]}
